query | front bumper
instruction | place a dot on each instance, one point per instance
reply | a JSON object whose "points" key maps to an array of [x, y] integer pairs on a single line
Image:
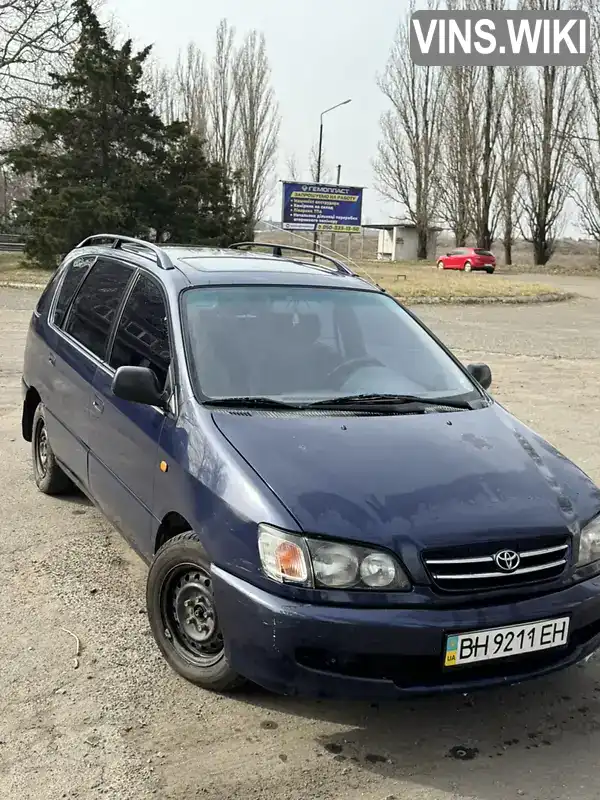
{"points": [[330, 651]]}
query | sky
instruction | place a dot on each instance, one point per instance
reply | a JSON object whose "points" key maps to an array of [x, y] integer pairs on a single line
{"points": [[321, 52]]}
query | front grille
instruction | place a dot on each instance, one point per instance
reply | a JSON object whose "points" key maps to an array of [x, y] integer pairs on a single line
{"points": [[477, 568]]}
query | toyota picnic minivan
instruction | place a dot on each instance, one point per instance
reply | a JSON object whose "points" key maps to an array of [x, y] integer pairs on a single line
{"points": [[330, 503]]}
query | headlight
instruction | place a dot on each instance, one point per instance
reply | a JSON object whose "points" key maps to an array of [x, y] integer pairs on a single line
{"points": [[317, 563], [589, 543]]}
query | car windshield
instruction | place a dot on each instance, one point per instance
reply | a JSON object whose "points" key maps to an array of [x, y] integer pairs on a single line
{"points": [[297, 343]]}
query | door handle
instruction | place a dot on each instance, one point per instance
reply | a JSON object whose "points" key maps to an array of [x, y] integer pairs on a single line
{"points": [[52, 359], [97, 405]]}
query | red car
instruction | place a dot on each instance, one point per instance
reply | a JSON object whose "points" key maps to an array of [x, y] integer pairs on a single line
{"points": [[467, 259]]}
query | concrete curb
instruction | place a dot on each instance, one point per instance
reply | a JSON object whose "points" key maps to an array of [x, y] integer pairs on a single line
{"points": [[550, 297], [17, 285], [554, 297]]}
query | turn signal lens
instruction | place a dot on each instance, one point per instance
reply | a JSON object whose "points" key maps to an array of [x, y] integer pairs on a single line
{"points": [[282, 559]]}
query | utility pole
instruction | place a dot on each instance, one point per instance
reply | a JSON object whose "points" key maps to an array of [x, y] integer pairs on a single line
{"points": [[320, 156], [339, 172]]}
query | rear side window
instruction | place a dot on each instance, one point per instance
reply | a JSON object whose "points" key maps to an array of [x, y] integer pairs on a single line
{"points": [[45, 299], [76, 272], [142, 337], [483, 252], [96, 304]]}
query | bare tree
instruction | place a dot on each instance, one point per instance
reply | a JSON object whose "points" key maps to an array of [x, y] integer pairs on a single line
{"points": [[192, 89], [550, 120], [511, 158], [258, 127], [485, 156], [37, 37], [586, 144], [409, 153], [291, 165], [326, 175], [552, 109], [159, 82], [459, 145], [222, 99]]}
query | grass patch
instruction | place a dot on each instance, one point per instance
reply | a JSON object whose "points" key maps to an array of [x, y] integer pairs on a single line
{"points": [[417, 283], [13, 269]]}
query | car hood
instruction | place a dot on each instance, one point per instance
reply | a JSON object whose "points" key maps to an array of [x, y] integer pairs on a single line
{"points": [[428, 479]]}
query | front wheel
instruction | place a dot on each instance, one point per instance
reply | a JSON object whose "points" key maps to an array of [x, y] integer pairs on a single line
{"points": [[468, 266], [49, 477], [183, 616], [440, 265]]}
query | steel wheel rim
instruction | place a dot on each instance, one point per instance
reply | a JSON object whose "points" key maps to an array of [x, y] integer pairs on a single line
{"points": [[189, 615], [41, 449]]}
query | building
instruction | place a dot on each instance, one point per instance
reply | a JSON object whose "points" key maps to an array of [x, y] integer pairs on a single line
{"points": [[398, 240]]}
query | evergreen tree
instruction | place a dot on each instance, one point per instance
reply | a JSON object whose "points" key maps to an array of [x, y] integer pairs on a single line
{"points": [[105, 162]]}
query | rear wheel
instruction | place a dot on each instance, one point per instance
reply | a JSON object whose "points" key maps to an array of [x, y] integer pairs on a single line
{"points": [[183, 616], [468, 266], [490, 270], [49, 477]]}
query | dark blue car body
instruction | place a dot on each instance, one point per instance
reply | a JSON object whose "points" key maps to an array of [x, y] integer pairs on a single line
{"points": [[410, 484]]}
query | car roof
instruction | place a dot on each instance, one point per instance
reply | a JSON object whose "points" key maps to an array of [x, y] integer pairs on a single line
{"points": [[211, 265]]}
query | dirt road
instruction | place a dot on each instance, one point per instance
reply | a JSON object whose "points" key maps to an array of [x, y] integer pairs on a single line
{"points": [[122, 725]]}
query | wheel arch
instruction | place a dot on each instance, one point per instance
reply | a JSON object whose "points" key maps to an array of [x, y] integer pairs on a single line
{"points": [[31, 402], [171, 525]]}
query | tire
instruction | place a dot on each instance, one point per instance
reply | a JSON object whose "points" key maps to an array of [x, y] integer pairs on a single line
{"points": [[440, 265], [179, 581], [490, 271], [49, 477], [467, 267]]}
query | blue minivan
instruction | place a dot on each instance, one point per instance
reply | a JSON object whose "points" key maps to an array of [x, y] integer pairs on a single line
{"points": [[329, 502]]}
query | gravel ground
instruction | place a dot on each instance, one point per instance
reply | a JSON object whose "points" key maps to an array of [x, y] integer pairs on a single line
{"points": [[122, 725]]}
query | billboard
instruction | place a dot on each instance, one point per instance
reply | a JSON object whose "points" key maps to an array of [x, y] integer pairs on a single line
{"points": [[321, 207]]}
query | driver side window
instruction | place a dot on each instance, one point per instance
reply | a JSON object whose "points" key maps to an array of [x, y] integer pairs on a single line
{"points": [[142, 336]]}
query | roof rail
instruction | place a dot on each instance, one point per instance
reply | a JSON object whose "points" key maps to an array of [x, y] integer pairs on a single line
{"points": [[162, 258], [277, 248]]}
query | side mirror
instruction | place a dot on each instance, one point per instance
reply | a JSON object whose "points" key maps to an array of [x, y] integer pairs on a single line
{"points": [[138, 385], [482, 374]]}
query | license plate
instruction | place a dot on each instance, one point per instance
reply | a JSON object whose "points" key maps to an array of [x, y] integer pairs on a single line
{"points": [[513, 640]]}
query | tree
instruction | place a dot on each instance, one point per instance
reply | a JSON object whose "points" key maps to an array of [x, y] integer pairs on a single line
{"points": [[293, 170], [458, 146], [485, 157], [552, 108], [550, 121], [511, 158], [586, 143], [36, 37], [409, 153], [258, 128], [106, 161], [325, 175], [222, 99]]}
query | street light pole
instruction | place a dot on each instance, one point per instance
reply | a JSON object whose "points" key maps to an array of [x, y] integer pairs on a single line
{"points": [[339, 173], [320, 156]]}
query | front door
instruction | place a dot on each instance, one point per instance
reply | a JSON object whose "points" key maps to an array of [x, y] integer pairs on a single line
{"points": [[124, 436]]}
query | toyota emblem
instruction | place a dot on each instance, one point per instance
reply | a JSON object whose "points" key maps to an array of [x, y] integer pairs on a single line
{"points": [[507, 560]]}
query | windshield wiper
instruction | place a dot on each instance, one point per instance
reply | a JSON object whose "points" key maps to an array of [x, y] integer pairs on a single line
{"points": [[250, 402], [352, 400]]}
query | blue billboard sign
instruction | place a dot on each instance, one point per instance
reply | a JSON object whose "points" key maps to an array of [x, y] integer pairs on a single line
{"points": [[321, 207]]}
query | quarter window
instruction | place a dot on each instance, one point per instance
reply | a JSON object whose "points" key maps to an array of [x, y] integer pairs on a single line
{"points": [[96, 304], [142, 338], [76, 272]]}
